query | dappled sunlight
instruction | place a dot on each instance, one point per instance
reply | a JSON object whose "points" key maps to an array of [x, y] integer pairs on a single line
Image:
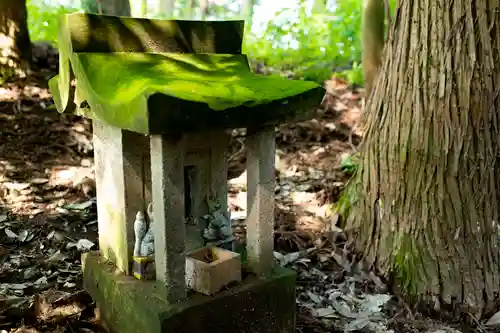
{"points": [[40, 151]]}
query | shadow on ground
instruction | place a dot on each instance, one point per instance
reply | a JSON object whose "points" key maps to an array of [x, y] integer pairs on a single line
{"points": [[47, 201]]}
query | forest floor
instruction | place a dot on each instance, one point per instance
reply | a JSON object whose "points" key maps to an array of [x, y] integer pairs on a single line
{"points": [[48, 217]]}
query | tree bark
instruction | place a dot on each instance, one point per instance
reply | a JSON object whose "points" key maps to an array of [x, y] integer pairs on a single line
{"points": [[372, 30], [15, 45], [426, 212]]}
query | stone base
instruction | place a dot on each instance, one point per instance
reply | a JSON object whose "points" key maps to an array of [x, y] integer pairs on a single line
{"points": [[128, 305]]}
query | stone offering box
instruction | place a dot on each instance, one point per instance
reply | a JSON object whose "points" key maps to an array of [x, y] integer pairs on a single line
{"points": [[162, 95], [209, 276]]}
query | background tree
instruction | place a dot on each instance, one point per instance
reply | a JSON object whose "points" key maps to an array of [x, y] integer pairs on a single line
{"points": [[144, 8], [319, 6], [204, 7], [15, 45], [427, 214], [107, 7], [247, 12], [188, 10], [166, 7], [372, 31]]}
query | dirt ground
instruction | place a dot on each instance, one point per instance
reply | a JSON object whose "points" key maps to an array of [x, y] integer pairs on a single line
{"points": [[48, 217]]}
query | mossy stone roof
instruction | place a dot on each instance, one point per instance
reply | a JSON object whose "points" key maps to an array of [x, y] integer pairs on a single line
{"points": [[147, 76]]}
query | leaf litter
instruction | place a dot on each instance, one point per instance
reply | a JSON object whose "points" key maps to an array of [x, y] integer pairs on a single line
{"points": [[48, 218]]}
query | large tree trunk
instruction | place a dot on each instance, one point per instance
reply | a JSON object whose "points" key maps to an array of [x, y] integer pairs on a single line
{"points": [[427, 213], [15, 46]]}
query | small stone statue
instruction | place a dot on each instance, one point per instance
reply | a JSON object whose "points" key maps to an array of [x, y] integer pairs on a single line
{"points": [[148, 241], [218, 230], [140, 228], [144, 243]]}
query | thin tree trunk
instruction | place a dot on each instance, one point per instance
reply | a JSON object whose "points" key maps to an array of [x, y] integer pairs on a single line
{"points": [[107, 7], [203, 9], [167, 8], [427, 209], [144, 8], [15, 45], [188, 11], [372, 30], [247, 12], [319, 6]]}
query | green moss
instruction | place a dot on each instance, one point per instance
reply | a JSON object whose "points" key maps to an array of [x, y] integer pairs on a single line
{"points": [[7, 74], [130, 88], [350, 163], [407, 267], [347, 200], [128, 305]]}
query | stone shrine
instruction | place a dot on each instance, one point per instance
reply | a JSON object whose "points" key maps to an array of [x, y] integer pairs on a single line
{"points": [[162, 95]]}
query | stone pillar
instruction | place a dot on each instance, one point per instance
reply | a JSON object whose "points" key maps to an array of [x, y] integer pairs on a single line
{"points": [[119, 184], [207, 152], [260, 199], [167, 177], [218, 167]]}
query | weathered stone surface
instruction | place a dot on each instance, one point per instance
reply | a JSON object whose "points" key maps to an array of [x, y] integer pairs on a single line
{"points": [[260, 199], [189, 116], [177, 93], [131, 306], [210, 277], [167, 177], [119, 184], [102, 34]]}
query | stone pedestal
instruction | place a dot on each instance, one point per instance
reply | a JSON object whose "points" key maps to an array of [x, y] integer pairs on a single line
{"points": [[128, 305]]}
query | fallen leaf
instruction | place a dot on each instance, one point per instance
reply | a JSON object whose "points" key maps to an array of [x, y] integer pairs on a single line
{"points": [[57, 256], [10, 233], [286, 259], [16, 186], [41, 281], [82, 245], [79, 206], [324, 312], [15, 301], [15, 286], [38, 180], [69, 285], [314, 297], [373, 303], [356, 325], [23, 236], [494, 320], [29, 273], [343, 309]]}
